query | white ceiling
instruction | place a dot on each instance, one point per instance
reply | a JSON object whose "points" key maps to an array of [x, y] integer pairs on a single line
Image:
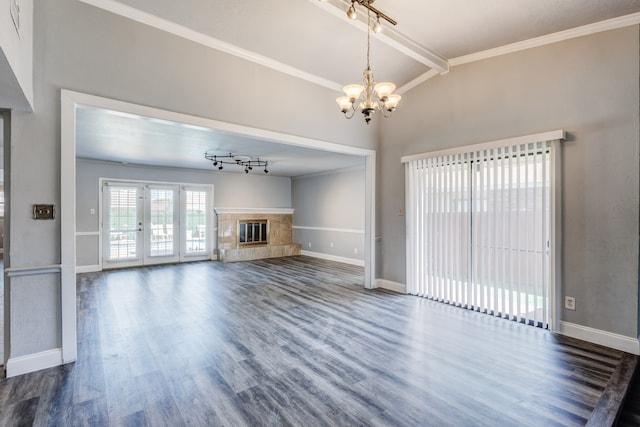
{"points": [[431, 36], [132, 139]]}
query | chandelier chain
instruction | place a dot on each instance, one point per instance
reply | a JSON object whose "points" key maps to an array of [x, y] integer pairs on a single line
{"points": [[368, 38]]}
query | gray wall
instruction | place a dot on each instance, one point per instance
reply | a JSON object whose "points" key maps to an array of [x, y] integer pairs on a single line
{"points": [[586, 86], [230, 190], [16, 57], [333, 200], [82, 48]]}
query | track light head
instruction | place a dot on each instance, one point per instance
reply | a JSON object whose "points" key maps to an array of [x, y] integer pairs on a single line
{"points": [[351, 12], [220, 167], [377, 27]]}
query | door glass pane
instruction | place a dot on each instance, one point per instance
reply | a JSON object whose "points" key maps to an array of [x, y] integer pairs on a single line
{"points": [[196, 219], [123, 225], [161, 215]]}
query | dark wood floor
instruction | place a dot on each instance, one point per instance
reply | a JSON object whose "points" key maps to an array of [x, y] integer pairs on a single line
{"points": [[630, 414], [298, 341]]}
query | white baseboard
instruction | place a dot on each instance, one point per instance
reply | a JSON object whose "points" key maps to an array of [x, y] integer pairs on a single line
{"points": [[34, 362], [88, 268], [597, 336], [336, 258], [392, 286]]}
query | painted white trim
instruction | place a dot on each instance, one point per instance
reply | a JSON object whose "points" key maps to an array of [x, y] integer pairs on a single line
{"points": [[352, 261], [208, 41], [335, 230], [389, 36], [266, 211], [401, 288], [545, 136], [370, 221], [32, 271], [88, 268], [172, 116], [87, 233], [68, 309], [418, 80], [34, 362], [329, 172], [585, 30], [597, 336]]}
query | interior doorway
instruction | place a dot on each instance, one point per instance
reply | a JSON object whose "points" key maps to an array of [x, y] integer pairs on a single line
{"points": [[4, 132], [70, 101]]}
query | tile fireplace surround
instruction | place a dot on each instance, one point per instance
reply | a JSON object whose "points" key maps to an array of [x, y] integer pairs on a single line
{"points": [[280, 234]]}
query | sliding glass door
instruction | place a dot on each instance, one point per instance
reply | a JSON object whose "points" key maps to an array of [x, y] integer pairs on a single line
{"points": [[479, 230]]}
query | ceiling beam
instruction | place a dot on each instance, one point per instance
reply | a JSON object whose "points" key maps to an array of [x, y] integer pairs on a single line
{"points": [[389, 36]]}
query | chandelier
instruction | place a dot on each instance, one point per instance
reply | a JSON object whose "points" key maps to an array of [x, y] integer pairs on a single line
{"points": [[247, 162], [368, 96]]}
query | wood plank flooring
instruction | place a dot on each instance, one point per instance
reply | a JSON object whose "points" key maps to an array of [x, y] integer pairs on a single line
{"points": [[630, 414], [298, 341]]}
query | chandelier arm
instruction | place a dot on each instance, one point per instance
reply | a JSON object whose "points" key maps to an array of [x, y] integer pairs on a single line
{"points": [[347, 115]]}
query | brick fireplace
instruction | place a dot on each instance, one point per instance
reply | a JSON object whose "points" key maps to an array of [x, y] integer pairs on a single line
{"points": [[279, 229]]}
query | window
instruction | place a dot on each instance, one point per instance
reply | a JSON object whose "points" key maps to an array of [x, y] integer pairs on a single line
{"points": [[480, 229]]}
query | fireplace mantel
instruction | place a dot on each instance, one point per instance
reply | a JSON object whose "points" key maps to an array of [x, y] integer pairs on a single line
{"points": [[280, 226], [242, 211]]}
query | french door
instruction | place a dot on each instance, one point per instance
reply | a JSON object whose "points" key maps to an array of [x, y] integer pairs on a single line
{"points": [[148, 223]]}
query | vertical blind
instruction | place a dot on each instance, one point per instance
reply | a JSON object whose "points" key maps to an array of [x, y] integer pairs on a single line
{"points": [[479, 229]]}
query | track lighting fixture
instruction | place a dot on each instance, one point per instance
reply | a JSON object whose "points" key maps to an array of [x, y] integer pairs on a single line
{"points": [[234, 159]]}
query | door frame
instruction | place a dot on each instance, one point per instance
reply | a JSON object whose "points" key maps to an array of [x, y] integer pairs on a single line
{"points": [[69, 100]]}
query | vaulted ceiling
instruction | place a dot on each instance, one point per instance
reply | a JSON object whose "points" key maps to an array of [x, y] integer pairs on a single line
{"points": [[314, 40]]}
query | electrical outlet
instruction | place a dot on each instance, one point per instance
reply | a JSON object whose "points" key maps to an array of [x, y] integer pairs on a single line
{"points": [[570, 303]]}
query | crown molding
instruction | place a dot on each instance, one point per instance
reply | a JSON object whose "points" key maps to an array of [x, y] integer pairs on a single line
{"points": [[418, 80], [438, 65], [585, 30], [156, 22]]}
